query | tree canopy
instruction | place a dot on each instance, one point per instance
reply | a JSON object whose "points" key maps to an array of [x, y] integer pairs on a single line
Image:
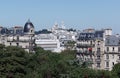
{"points": [[17, 63]]}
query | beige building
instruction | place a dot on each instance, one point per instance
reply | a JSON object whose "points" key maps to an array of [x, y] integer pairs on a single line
{"points": [[18, 36], [112, 51], [99, 47]]}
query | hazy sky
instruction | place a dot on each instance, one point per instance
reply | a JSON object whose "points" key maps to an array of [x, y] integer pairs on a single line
{"points": [[77, 14]]}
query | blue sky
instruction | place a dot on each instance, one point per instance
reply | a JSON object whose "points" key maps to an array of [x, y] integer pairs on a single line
{"points": [[79, 14]]}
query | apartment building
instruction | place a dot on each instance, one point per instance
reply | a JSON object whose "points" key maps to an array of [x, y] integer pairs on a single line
{"points": [[99, 47], [18, 36], [112, 51]]}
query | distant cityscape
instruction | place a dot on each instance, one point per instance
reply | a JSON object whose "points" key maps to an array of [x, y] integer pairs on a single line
{"points": [[99, 47]]}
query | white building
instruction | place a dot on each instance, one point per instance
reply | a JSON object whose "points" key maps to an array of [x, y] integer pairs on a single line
{"points": [[48, 42], [56, 40], [64, 35]]}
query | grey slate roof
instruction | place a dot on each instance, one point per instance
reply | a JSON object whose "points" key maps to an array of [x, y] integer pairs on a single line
{"points": [[112, 41], [91, 35]]}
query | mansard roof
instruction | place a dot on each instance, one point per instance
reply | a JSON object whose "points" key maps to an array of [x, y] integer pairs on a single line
{"points": [[112, 40]]}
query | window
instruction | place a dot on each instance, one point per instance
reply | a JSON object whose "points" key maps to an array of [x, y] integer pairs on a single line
{"points": [[113, 56], [3, 38], [98, 35], [113, 48], [90, 42], [98, 49], [108, 41], [11, 31], [10, 44], [18, 38], [98, 43], [107, 48], [113, 63], [98, 64], [31, 31], [17, 44], [98, 52], [98, 57], [118, 49], [107, 56], [107, 64], [119, 42]]}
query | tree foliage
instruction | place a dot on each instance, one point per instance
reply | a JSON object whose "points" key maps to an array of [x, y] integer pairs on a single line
{"points": [[116, 71], [12, 62], [16, 63]]}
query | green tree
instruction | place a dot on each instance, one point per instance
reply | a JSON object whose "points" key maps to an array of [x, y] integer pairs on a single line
{"points": [[116, 71], [12, 62], [16, 63]]}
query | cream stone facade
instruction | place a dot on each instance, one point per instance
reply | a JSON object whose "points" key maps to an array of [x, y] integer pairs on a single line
{"points": [[112, 51], [18, 36], [99, 47]]}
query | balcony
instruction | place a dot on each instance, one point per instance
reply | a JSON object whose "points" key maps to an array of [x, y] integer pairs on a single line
{"points": [[107, 68], [107, 60], [112, 52], [90, 60], [98, 53], [98, 60], [85, 52], [85, 45], [20, 40]]}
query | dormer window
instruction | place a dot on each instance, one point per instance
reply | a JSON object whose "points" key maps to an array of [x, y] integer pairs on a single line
{"points": [[108, 41], [113, 41], [98, 35], [119, 42]]}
